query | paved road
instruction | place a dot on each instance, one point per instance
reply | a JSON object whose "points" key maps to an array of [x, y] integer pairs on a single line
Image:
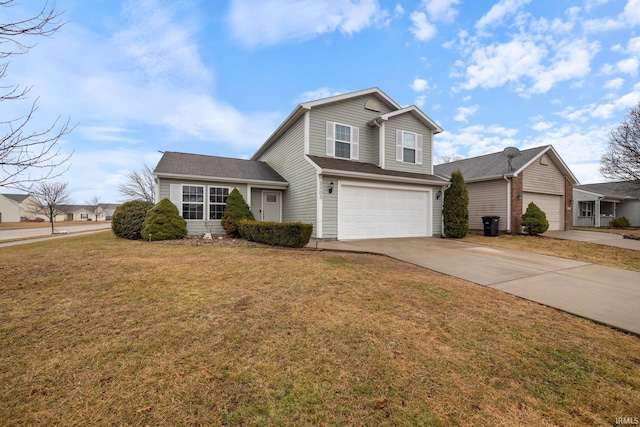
{"points": [[607, 295], [38, 234]]}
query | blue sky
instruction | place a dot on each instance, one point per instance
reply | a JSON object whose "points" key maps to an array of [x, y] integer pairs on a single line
{"points": [[218, 77]]}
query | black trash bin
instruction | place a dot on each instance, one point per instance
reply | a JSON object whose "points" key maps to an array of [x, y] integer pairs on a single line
{"points": [[491, 225]]}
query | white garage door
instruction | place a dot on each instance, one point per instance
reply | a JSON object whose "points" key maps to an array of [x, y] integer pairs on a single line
{"points": [[366, 212], [550, 204]]}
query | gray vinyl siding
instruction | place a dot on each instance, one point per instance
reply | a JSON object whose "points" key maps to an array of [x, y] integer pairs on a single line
{"points": [[349, 112], [286, 156], [436, 211], [630, 209], [539, 178], [197, 227], [407, 122], [487, 198], [329, 208]]}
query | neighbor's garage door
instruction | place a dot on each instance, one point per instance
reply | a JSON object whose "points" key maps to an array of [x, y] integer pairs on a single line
{"points": [[368, 212], [552, 205]]}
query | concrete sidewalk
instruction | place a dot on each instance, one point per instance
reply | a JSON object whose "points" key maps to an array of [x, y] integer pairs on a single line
{"points": [[598, 237], [607, 295]]}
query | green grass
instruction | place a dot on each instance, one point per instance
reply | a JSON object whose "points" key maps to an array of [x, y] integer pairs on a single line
{"points": [[100, 331]]}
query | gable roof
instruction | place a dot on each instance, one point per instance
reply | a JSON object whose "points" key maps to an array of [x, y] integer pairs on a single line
{"points": [[618, 190], [342, 167], [496, 165], [301, 109], [18, 198], [200, 167]]}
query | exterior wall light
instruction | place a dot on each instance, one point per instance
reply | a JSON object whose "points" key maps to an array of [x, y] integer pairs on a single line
{"points": [[519, 196], [331, 187], [439, 194]]}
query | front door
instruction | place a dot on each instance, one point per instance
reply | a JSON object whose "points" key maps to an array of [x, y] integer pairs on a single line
{"points": [[271, 206]]}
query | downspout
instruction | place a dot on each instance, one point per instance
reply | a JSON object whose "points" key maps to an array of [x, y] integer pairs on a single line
{"points": [[508, 202]]}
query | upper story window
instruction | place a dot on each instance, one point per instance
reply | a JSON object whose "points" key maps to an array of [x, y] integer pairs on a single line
{"points": [[342, 141], [408, 147], [217, 201], [193, 202]]}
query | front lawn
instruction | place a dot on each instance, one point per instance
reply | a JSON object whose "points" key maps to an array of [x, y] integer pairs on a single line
{"points": [[100, 331]]}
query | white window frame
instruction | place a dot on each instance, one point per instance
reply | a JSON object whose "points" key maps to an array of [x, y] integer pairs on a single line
{"points": [[400, 146], [217, 204], [587, 208], [354, 143], [182, 202]]}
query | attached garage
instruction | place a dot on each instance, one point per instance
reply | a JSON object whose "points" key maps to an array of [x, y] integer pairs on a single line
{"points": [[552, 205], [369, 211]]}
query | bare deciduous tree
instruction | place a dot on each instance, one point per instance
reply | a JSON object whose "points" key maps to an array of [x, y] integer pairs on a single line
{"points": [[621, 160], [23, 150], [450, 158], [96, 206], [51, 199], [139, 186]]}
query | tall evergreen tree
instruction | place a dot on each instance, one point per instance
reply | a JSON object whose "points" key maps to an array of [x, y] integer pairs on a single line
{"points": [[455, 208]]}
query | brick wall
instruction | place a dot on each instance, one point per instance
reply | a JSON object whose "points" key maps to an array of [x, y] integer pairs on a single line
{"points": [[569, 207], [516, 204]]}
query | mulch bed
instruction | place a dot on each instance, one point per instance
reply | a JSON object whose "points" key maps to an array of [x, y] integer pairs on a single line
{"points": [[215, 241]]}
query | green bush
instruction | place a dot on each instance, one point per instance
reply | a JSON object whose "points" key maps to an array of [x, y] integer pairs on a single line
{"points": [[235, 211], [534, 220], [622, 222], [455, 207], [163, 222], [287, 234], [128, 219]]}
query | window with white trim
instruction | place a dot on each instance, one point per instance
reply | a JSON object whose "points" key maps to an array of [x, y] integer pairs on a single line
{"points": [[342, 141], [586, 208], [193, 202], [84, 216], [217, 201], [408, 147]]}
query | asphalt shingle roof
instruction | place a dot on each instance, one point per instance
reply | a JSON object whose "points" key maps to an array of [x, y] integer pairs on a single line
{"points": [[216, 167], [16, 197], [368, 168], [615, 189], [489, 165]]}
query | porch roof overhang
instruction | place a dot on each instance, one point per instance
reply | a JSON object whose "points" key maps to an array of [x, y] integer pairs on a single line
{"points": [[252, 182]]}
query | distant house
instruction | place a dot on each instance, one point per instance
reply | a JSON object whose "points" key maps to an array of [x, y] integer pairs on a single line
{"points": [[356, 166], [15, 207], [499, 186], [597, 204]]}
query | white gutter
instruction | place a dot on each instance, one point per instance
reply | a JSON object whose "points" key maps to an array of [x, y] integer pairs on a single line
{"points": [[393, 178], [254, 182]]}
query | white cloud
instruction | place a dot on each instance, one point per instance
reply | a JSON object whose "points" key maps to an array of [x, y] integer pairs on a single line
{"points": [[398, 11], [320, 93], [441, 10], [463, 113], [268, 22], [422, 29], [499, 12], [628, 18], [542, 126], [419, 85], [614, 84], [419, 102], [628, 66]]}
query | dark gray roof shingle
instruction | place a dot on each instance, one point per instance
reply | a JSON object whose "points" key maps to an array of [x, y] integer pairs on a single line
{"points": [[19, 198], [622, 189], [489, 165], [368, 168], [198, 165]]}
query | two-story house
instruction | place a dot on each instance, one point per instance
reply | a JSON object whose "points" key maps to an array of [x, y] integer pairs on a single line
{"points": [[356, 166]]}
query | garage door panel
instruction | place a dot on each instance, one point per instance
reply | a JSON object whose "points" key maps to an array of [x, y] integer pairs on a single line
{"points": [[552, 205], [373, 212]]}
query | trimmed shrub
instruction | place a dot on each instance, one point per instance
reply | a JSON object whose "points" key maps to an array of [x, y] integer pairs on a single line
{"points": [[534, 220], [163, 222], [235, 211], [287, 234], [128, 219], [622, 222], [455, 207]]}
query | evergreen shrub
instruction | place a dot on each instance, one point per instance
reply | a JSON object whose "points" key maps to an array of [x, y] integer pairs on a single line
{"points": [[287, 234], [163, 222], [128, 219], [455, 207], [622, 222], [534, 220], [235, 211]]}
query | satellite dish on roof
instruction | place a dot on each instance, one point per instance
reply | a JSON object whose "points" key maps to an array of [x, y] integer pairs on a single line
{"points": [[511, 153]]}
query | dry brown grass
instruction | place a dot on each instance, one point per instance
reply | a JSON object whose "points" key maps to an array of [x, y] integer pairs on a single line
{"points": [[101, 331], [629, 231], [593, 253]]}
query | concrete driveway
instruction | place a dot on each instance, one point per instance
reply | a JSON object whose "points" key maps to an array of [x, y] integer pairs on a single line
{"points": [[598, 237], [607, 295]]}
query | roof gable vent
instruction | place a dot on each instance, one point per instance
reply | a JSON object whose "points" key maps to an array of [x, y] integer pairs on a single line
{"points": [[372, 105]]}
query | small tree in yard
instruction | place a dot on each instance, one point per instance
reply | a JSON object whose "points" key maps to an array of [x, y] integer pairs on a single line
{"points": [[235, 211], [128, 219], [455, 207], [164, 222], [534, 220], [51, 198]]}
